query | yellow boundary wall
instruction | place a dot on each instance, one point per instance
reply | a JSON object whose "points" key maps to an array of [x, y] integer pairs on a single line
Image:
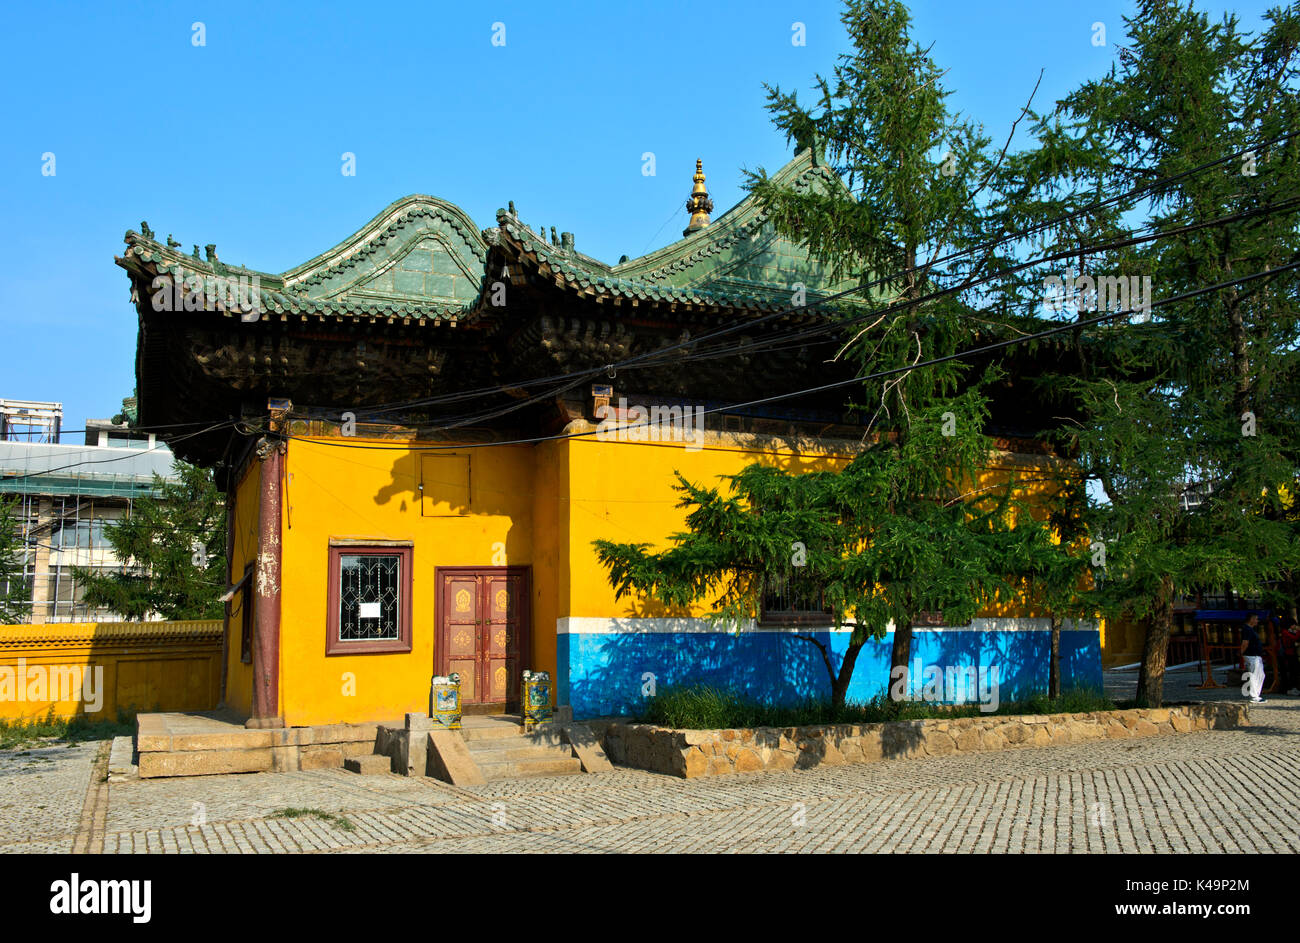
{"points": [[95, 669]]}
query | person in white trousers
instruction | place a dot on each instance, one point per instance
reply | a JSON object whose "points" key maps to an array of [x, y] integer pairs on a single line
{"points": [[1252, 651]]}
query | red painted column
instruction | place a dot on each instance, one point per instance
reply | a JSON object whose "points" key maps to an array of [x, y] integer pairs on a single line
{"points": [[266, 572]]}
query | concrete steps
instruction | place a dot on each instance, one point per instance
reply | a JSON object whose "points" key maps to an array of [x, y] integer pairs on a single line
{"points": [[372, 765], [502, 750], [498, 751]]}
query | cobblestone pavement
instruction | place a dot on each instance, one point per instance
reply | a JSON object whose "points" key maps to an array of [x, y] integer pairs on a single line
{"points": [[1212, 791], [42, 791]]}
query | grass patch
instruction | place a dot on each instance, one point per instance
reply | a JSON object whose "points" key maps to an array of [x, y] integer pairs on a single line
{"points": [[338, 821], [702, 707], [15, 734]]}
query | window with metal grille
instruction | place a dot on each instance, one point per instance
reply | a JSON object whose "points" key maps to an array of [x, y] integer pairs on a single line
{"points": [[369, 593], [794, 597], [369, 599]]}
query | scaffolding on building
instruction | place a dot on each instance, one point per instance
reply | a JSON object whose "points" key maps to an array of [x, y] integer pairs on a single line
{"points": [[66, 500], [24, 420]]}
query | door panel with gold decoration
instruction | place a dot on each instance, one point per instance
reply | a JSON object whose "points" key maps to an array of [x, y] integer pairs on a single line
{"points": [[459, 635], [483, 631], [503, 606]]}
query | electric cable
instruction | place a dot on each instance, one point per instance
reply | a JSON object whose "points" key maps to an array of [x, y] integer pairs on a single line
{"points": [[1060, 328]]}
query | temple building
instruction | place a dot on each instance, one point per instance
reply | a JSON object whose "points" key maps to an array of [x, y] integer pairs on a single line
{"points": [[422, 430]]}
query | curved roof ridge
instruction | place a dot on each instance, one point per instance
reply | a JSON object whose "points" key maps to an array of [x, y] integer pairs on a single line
{"points": [[365, 238]]}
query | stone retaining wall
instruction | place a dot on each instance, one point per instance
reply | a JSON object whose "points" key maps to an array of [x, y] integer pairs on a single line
{"points": [[691, 753]]}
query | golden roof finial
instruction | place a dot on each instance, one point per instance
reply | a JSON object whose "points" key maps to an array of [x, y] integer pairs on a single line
{"points": [[698, 203]]}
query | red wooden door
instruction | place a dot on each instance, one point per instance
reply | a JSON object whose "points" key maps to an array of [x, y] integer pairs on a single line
{"points": [[483, 631]]}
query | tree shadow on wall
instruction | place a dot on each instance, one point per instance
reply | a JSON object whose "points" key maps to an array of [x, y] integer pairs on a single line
{"points": [[616, 673], [432, 490], [1021, 658]]}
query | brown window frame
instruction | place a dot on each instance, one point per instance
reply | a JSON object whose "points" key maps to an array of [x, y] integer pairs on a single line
{"points": [[406, 582]]}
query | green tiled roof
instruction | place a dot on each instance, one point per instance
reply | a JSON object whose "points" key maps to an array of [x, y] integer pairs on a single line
{"points": [[738, 261], [422, 258], [583, 276]]}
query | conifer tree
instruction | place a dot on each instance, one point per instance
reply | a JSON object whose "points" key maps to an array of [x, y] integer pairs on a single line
{"points": [[1187, 430], [172, 547], [917, 176], [904, 528], [913, 524]]}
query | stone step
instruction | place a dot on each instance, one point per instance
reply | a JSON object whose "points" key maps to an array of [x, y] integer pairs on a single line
{"points": [[494, 732], [526, 767], [539, 738], [496, 725], [497, 751], [368, 765], [120, 767]]}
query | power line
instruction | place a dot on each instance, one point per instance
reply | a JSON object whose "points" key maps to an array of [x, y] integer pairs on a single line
{"points": [[1061, 328], [1093, 249], [749, 323], [116, 427], [799, 335], [569, 380]]}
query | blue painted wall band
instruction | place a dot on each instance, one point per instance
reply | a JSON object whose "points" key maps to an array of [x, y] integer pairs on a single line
{"points": [[603, 673]]}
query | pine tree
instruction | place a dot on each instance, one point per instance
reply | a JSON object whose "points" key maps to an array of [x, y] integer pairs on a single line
{"points": [[904, 528], [917, 177], [172, 547], [910, 525], [1187, 431]]}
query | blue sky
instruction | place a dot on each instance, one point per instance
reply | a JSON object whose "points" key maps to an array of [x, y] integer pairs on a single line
{"points": [[238, 142]]}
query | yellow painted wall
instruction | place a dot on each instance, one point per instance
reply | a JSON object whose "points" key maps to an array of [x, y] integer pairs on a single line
{"points": [[536, 505], [622, 491], [363, 494], [1122, 641], [145, 666], [551, 529], [1036, 485]]}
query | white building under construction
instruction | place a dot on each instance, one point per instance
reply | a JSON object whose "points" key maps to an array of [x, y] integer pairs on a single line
{"points": [[68, 496]]}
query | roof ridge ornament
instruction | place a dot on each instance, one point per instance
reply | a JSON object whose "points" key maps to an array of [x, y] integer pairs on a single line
{"points": [[698, 203]]}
